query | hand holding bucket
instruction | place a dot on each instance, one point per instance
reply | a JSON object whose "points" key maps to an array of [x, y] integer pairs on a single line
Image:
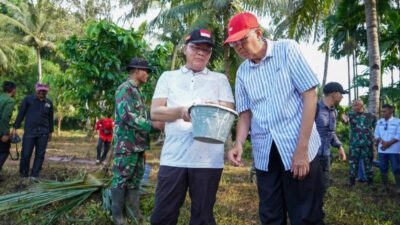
{"points": [[211, 123]]}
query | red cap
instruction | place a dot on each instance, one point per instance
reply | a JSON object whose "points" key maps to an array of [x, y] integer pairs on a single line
{"points": [[240, 25]]}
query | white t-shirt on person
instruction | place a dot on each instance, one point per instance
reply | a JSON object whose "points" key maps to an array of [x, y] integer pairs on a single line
{"points": [[182, 87], [388, 130]]}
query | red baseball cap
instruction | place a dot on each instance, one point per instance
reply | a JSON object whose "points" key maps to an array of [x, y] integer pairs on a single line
{"points": [[240, 25]]}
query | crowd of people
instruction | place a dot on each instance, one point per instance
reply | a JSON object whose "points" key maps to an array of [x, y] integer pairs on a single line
{"points": [[275, 96]]}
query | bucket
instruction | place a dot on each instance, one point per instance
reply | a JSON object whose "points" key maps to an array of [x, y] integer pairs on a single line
{"points": [[211, 123]]}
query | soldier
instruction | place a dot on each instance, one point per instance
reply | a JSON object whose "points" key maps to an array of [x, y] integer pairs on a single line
{"points": [[7, 104], [362, 126], [132, 126]]}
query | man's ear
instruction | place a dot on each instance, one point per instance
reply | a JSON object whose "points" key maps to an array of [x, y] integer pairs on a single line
{"points": [[184, 49]]}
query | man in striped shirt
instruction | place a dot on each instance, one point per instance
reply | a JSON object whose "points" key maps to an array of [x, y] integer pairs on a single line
{"points": [[276, 97]]}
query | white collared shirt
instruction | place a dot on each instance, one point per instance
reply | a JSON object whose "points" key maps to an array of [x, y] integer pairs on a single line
{"points": [[183, 87], [388, 130]]}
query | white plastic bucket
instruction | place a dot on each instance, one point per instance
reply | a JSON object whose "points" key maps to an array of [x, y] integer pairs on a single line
{"points": [[211, 123]]}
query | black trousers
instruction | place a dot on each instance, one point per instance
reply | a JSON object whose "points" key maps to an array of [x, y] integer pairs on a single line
{"points": [[172, 184], [280, 194], [4, 152], [29, 142], [100, 144]]}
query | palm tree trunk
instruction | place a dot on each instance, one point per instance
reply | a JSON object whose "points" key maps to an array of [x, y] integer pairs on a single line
{"points": [[326, 64], [373, 56], [349, 77], [39, 62]]}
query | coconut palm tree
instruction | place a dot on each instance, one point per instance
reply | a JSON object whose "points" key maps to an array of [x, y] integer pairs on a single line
{"points": [[7, 54], [33, 22], [373, 56], [301, 20]]}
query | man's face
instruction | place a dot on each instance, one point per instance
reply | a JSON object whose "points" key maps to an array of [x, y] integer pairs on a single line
{"points": [[197, 56], [337, 97], [358, 106], [249, 45], [386, 113], [142, 76], [13, 93], [41, 94]]}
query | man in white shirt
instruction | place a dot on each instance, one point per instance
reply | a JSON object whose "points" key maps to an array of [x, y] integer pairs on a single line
{"points": [[387, 135], [187, 164]]}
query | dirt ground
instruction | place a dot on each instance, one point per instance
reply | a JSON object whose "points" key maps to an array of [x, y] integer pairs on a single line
{"points": [[237, 199]]}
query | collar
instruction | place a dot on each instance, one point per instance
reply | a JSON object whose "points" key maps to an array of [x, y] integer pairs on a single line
{"points": [[322, 104], [268, 54], [132, 82], [184, 69], [390, 119]]}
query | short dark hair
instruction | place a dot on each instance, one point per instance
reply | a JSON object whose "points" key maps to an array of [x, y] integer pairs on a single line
{"points": [[9, 86], [387, 106]]}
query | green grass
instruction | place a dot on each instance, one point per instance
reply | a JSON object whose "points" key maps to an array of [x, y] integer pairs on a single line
{"points": [[237, 200]]}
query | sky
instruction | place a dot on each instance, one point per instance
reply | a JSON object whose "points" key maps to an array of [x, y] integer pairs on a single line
{"points": [[337, 69]]}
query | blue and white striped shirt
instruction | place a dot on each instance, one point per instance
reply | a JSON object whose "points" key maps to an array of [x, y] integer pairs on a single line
{"points": [[272, 90]]}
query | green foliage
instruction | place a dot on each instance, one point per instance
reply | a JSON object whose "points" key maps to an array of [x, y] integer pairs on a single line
{"points": [[158, 61], [342, 130], [97, 65]]}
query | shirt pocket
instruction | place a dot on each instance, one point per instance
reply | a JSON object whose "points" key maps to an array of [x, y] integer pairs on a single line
{"points": [[46, 109]]}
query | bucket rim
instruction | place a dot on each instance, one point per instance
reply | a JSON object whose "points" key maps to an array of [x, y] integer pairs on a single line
{"points": [[216, 106]]}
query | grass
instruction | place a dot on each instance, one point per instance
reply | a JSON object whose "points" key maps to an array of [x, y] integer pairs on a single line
{"points": [[237, 200]]}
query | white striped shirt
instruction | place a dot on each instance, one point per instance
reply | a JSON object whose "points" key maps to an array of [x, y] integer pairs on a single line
{"points": [[272, 90]]}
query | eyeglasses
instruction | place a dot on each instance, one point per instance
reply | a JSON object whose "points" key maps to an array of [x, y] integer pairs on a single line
{"points": [[239, 42], [196, 48]]}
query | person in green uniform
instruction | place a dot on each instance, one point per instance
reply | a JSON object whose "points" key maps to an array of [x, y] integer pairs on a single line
{"points": [[132, 128], [7, 104], [362, 125]]}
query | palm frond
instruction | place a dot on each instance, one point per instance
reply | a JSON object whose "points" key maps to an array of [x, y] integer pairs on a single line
{"points": [[72, 193]]}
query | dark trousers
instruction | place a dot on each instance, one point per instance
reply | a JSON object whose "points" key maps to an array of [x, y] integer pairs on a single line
{"points": [[325, 167], [172, 184], [39, 142], [100, 144], [280, 194], [4, 152], [394, 159]]}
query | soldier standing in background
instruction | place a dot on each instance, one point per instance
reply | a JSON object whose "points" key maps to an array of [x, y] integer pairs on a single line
{"points": [[132, 128], [362, 125], [7, 104]]}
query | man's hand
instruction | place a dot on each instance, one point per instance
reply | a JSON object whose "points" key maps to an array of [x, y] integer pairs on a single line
{"points": [[342, 154], [159, 125], [185, 114], [50, 136], [5, 138], [13, 132], [345, 118], [385, 145], [300, 163], [235, 154]]}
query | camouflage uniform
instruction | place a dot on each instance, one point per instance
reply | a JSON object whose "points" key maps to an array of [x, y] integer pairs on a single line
{"points": [[361, 143], [131, 137]]}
